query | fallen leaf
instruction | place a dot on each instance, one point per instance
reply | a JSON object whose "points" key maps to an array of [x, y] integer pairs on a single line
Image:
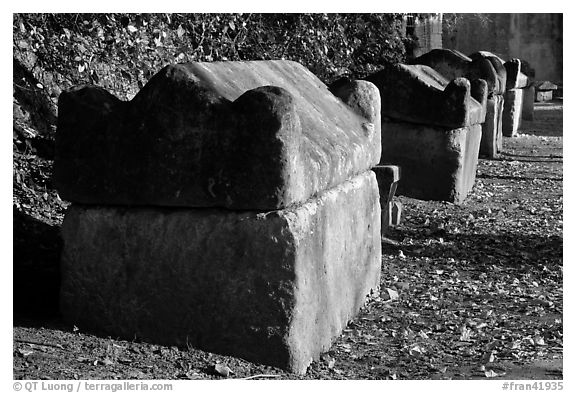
{"points": [[222, 369], [25, 352], [416, 349], [107, 362], [392, 294], [465, 333], [539, 341], [330, 361]]}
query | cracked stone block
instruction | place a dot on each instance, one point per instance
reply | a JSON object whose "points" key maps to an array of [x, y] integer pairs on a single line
{"points": [[241, 135], [431, 128], [273, 288]]}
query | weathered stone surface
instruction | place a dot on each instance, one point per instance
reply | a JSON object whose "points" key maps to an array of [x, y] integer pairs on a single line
{"points": [[528, 103], [545, 85], [544, 95], [437, 164], [242, 135], [515, 78], [491, 142], [419, 94], [362, 97], [449, 63], [273, 288], [489, 67], [512, 113], [479, 91], [453, 64], [544, 90]]}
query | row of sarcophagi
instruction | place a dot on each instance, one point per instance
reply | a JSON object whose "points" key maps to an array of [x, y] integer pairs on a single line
{"points": [[232, 206]]}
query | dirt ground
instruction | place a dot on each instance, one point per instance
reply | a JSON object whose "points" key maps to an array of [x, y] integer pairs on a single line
{"points": [[470, 291]]}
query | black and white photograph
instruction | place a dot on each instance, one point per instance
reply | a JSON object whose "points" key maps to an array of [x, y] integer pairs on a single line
{"points": [[281, 196]]}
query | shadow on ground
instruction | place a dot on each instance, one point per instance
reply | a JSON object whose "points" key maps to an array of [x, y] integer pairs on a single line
{"points": [[505, 249], [516, 178], [36, 277]]}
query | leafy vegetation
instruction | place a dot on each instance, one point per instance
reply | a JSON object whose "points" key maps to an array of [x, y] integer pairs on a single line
{"points": [[122, 51]]}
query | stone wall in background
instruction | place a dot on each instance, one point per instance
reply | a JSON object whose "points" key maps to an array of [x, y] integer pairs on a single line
{"points": [[536, 38]]}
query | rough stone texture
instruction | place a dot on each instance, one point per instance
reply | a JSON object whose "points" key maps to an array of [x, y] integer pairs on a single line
{"points": [[362, 97], [528, 103], [517, 84], [273, 288], [491, 142], [544, 95], [242, 135], [437, 164], [450, 63], [544, 90], [481, 65], [387, 177], [512, 113], [419, 94], [453, 64], [479, 91], [489, 67], [431, 129], [515, 78], [545, 85]]}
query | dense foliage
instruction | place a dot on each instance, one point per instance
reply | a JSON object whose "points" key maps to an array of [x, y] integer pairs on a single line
{"points": [[121, 51]]}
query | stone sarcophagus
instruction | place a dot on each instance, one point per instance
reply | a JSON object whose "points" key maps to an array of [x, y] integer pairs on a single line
{"points": [[544, 91], [516, 84], [529, 92], [431, 128], [229, 206], [480, 65]]}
